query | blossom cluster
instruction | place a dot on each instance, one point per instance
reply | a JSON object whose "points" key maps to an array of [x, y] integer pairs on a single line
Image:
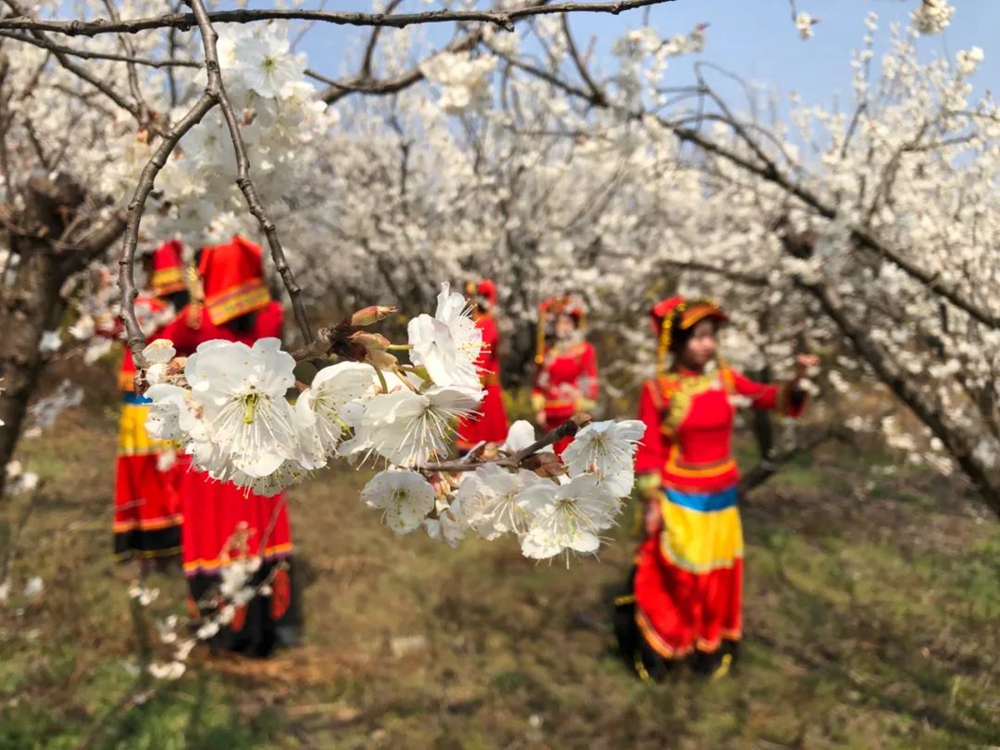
{"points": [[932, 16], [550, 512], [280, 117], [226, 406]]}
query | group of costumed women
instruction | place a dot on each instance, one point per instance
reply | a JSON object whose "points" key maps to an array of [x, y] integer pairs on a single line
{"points": [[683, 603]]}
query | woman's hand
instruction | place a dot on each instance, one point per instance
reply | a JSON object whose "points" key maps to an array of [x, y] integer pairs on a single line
{"points": [[653, 519], [803, 363], [541, 421]]}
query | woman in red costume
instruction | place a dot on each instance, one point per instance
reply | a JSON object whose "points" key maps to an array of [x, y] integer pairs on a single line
{"points": [[221, 519], [566, 379], [687, 585], [490, 425], [147, 524]]}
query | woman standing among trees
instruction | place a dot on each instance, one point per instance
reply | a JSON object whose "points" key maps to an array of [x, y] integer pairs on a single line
{"points": [[147, 523], [686, 592], [226, 525], [566, 379]]}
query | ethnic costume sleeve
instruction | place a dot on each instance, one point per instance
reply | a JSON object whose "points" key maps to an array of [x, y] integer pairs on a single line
{"points": [[783, 398], [588, 382], [537, 394], [650, 456]]}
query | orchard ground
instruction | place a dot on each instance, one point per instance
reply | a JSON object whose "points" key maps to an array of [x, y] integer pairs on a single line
{"points": [[872, 606]]}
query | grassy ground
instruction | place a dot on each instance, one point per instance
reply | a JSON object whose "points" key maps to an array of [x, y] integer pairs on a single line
{"points": [[872, 607]]}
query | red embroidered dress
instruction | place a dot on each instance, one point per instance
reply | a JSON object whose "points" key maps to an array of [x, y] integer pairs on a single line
{"points": [[566, 384], [688, 581], [214, 511]]}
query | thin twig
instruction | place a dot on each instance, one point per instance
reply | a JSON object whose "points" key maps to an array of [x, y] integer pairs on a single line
{"points": [[136, 339], [365, 84], [86, 55], [565, 430], [133, 75], [366, 65], [581, 67]]}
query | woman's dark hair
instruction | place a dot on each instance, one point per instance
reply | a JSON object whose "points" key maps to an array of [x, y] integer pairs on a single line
{"points": [[178, 299], [681, 336], [572, 318], [243, 324]]}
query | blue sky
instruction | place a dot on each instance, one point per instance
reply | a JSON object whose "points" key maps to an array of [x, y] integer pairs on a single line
{"points": [[755, 38]]}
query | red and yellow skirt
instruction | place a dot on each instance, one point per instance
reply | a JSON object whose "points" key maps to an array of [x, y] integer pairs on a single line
{"points": [[490, 425], [688, 583], [221, 523], [148, 515], [218, 514]]}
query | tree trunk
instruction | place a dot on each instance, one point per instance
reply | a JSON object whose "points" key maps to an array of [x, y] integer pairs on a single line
{"points": [[31, 303]]}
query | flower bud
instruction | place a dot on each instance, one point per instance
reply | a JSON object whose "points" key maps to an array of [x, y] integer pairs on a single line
{"points": [[372, 348], [545, 464], [371, 315]]}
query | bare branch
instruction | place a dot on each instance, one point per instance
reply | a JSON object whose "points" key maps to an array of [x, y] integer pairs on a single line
{"points": [[514, 461], [136, 340], [365, 84], [366, 65], [581, 66], [186, 21], [86, 55], [133, 76]]}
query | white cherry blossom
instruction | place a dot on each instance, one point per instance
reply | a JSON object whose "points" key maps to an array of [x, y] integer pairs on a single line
{"points": [[406, 498]]}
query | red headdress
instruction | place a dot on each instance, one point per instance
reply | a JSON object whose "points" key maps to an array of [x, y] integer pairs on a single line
{"points": [[484, 288], [555, 306], [233, 279], [168, 269], [681, 314]]}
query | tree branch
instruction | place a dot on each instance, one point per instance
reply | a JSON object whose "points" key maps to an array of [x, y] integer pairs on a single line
{"points": [[133, 76], [254, 204], [363, 83], [136, 340], [86, 55], [186, 21], [514, 461], [931, 414]]}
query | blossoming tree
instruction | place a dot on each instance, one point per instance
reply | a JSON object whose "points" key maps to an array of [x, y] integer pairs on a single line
{"points": [[875, 239], [867, 232]]}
